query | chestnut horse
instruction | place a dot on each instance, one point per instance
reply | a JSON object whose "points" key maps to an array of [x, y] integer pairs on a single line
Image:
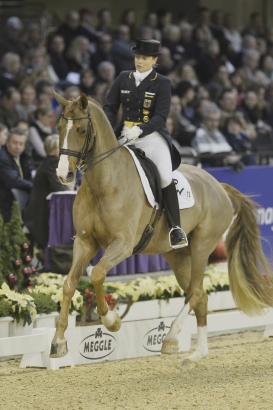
{"points": [[110, 211]]}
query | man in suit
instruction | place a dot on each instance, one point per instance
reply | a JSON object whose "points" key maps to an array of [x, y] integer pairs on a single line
{"points": [[15, 170], [145, 97]]}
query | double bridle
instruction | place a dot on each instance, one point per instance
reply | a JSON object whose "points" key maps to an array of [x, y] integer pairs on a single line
{"points": [[83, 160]]}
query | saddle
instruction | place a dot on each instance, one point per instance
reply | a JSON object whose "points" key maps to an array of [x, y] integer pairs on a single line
{"points": [[152, 175]]}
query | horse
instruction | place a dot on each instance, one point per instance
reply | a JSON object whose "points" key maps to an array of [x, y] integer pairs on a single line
{"points": [[111, 212]]}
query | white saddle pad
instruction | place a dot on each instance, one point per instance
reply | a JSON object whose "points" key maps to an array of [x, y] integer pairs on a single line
{"points": [[183, 188]]}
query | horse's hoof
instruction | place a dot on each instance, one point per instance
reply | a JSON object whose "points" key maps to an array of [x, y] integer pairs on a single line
{"points": [[194, 358], [58, 348], [111, 321], [170, 346]]}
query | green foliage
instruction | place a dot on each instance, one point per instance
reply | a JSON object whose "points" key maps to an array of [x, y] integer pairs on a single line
{"points": [[12, 242], [44, 303], [5, 308]]}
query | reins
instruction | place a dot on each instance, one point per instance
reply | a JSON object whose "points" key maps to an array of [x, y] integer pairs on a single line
{"points": [[83, 163]]}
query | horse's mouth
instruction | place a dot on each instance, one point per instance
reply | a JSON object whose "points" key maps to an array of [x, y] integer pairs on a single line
{"points": [[68, 180]]}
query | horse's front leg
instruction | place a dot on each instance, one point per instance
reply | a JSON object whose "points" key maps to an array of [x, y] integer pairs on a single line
{"points": [[83, 251], [116, 252]]}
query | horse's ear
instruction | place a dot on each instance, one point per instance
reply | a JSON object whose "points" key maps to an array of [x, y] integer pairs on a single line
{"points": [[83, 101], [60, 99]]}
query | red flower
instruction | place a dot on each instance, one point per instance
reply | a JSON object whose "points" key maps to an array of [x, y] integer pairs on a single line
{"points": [[111, 301]]}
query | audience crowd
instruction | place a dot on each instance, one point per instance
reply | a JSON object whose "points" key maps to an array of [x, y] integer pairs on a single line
{"points": [[222, 79]]}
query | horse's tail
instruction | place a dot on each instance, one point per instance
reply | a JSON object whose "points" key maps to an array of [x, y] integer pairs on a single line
{"points": [[250, 276]]}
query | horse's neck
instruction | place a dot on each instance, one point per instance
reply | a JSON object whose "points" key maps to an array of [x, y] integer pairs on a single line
{"points": [[103, 173]]}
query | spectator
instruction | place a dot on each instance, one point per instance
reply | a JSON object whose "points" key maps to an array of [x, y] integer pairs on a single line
{"points": [[11, 37], [255, 25], [250, 69], [190, 48], [232, 34], [220, 82], [40, 128], [267, 66], [164, 18], [11, 66], [44, 183], [165, 61], [15, 170], [171, 39], [217, 30], [87, 82], [251, 109], [209, 140], [8, 109], [56, 47], [150, 26], [104, 18], [239, 141], [183, 72], [87, 25], [128, 18], [70, 28], [27, 106], [39, 68], [78, 55], [72, 92], [122, 53], [228, 103], [106, 73], [3, 135], [104, 51], [184, 129], [209, 62], [186, 92]]}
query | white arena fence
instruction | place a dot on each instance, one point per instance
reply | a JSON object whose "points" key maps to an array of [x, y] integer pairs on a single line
{"points": [[141, 334]]}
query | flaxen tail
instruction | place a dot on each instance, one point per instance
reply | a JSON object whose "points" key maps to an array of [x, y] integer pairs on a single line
{"points": [[250, 276]]}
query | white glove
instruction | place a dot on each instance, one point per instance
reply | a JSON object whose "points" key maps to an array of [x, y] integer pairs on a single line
{"points": [[132, 133]]}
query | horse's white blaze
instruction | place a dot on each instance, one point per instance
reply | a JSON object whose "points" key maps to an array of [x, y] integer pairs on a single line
{"points": [[63, 165]]}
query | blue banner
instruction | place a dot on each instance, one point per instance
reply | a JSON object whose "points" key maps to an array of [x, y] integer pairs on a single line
{"points": [[255, 181]]}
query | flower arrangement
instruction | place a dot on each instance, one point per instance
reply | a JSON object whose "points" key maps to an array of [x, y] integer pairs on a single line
{"points": [[22, 306], [46, 293], [51, 284]]}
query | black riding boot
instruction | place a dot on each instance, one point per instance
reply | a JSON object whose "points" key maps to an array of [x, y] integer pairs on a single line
{"points": [[177, 237]]}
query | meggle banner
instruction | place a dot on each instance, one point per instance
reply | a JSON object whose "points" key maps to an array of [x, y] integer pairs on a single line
{"points": [[256, 181]]}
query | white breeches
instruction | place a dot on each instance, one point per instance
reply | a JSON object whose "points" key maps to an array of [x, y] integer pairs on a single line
{"points": [[157, 149]]}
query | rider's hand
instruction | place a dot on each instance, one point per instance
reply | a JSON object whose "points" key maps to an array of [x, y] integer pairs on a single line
{"points": [[133, 133]]}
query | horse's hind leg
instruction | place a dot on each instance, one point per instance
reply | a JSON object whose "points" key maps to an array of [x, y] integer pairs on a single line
{"points": [[180, 262], [197, 299], [83, 251]]}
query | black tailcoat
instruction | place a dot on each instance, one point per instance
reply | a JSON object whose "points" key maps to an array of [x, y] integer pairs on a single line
{"points": [[148, 104]]}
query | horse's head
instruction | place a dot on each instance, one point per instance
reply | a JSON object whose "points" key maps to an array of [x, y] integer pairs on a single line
{"points": [[76, 137]]}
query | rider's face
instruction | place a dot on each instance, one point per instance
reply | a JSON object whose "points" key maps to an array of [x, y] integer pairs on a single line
{"points": [[144, 63]]}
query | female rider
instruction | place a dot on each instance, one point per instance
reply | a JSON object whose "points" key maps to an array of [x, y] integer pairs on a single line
{"points": [[145, 97]]}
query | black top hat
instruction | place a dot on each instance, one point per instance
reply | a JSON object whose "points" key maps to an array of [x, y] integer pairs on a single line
{"points": [[147, 47]]}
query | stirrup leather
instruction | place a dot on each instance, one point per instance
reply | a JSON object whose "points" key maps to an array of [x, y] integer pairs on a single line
{"points": [[183, 243]]}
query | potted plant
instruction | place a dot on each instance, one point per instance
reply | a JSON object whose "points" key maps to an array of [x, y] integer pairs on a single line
{"points": [[5, 317], [23, 310], [46, 309]]}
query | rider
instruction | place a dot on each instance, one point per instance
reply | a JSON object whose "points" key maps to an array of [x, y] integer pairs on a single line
{"points": [[145, 97]]}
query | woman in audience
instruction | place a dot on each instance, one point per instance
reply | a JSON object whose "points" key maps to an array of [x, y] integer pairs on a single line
{"points": [[40, 128], [36, 215]]}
